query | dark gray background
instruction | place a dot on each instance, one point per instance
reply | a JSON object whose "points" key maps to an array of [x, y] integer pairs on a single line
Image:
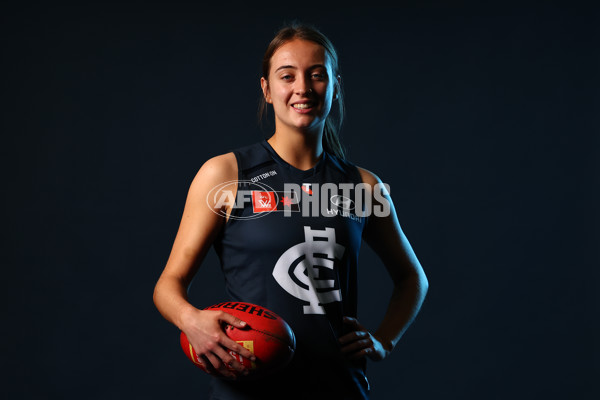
{"points": [[483, 120]]}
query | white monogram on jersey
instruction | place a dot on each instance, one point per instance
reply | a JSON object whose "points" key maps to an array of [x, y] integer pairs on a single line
{"points": [[297, 270]]}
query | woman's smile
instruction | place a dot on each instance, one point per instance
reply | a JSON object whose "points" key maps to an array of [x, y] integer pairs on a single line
{"points": [[303, 107]]}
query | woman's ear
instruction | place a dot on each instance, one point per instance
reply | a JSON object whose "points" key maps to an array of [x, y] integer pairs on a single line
{"points": [[336, 87], [264, 84]]}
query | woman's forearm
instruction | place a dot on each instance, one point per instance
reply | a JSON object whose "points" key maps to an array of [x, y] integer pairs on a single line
{"points": [[170, 298], [406, 300]]}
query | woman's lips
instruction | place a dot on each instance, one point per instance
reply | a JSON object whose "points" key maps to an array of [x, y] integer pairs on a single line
{"points": [[303, 107]]}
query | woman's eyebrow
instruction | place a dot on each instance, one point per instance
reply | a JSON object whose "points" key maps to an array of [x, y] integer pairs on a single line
{"points": [[292, 67], [285, 67]]}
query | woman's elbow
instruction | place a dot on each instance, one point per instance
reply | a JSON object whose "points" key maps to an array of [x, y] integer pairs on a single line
{"points": [[423, 283]]}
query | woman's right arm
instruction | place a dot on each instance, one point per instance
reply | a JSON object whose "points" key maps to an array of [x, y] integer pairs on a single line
{"points": [[198, 228]]}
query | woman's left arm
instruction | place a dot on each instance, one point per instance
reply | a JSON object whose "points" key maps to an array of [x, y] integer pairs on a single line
{"points": [[384, 235]]}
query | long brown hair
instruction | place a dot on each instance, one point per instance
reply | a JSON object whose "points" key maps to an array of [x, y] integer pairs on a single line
{"points": [[333, 125]]}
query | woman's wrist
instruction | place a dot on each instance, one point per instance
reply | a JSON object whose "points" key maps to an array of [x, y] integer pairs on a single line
{"points": [[387, 344], [187, 315]]}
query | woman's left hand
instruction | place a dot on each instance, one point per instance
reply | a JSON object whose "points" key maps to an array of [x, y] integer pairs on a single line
{"points": [[360, 343]]}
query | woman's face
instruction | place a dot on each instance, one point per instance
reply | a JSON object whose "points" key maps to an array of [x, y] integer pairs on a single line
{"points": [[300, 86]]}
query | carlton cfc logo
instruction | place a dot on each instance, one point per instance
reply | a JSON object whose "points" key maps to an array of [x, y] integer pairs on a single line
{"points": [[306, 270]]}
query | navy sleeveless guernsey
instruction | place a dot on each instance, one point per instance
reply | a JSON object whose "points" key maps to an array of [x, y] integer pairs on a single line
{"points": [[291, 245]]}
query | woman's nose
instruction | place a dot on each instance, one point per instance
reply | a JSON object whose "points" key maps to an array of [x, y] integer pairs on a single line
{"points": [[303, 87]]}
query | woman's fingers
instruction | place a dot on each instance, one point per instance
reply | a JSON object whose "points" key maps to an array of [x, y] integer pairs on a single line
{"points": [[222, 362], [358, 332], [356, 344], [215, 348], [217, 364], [360, 343], [353, 323], [231, 320], [237, 348], [366, 352], [230, 344], [353, 337]]}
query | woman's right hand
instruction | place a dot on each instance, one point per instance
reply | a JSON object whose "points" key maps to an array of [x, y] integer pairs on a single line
{"points": [[205, 332]]}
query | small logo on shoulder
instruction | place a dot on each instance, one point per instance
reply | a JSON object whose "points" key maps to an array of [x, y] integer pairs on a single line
{"points": [[263, 201]]}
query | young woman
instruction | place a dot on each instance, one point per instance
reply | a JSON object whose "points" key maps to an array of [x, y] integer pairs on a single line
{"points": [[293, 251]]}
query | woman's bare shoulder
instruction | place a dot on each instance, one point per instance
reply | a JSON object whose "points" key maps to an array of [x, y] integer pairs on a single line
{"points": [[368, 176], [224, 164], [216, 170]]}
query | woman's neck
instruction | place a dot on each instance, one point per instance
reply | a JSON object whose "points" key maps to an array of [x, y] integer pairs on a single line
{"points": [[300, 150]]}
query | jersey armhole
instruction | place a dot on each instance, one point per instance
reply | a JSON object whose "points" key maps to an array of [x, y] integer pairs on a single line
{"points": [[358, 179], [235, 211]]}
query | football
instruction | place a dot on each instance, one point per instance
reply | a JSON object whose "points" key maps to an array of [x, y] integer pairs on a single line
{"points": [[266, 335]]}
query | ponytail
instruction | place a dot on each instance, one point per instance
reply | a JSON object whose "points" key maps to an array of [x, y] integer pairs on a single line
{"points": [[331, 139]]}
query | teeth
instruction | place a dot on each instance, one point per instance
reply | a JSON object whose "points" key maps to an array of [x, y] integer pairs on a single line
{"points": [[301, 106]]}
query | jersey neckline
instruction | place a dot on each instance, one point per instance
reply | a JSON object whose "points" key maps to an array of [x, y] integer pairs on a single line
{"points": [[298, 172]]}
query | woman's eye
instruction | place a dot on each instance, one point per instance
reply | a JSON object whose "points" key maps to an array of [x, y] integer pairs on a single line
{"points": [[286, 77], [318, 76]]}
